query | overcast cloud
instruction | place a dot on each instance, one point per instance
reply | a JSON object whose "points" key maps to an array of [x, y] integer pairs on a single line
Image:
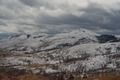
{"points": [[59, 15]]}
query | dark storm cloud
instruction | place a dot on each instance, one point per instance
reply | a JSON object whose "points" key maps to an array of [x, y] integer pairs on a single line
{"points": [[38, 3], [2, 23], [94, 16], [30, 2], [55, 15]]}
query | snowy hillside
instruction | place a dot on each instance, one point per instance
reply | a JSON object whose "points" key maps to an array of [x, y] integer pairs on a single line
{"points": [[75, 51]]}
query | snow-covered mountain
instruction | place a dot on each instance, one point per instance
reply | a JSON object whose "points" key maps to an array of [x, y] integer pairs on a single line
{"points": [[74, 51]]}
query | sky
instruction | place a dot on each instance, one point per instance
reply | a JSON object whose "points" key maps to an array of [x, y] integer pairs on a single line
{"points": [[102, 16]]}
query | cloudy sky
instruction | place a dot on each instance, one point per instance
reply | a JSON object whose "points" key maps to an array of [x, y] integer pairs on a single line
{"points": [[59, 15]]}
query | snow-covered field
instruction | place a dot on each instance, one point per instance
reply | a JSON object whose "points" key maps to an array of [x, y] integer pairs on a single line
{"points": [[75, 51]]}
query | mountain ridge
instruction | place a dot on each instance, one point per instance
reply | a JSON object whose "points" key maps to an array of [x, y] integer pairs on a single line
{"points": [[78, 50]]}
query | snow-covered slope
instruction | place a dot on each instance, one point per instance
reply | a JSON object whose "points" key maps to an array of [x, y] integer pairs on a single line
{"points": [[23, 42], [94, 56], [43, 41], [78, 50], [72, 38]]}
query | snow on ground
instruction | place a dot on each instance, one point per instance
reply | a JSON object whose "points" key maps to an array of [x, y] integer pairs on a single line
{"points": [[77, 50], [95, 62], [49, 70], [71, 38], [93, 49], [23, 61]]}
